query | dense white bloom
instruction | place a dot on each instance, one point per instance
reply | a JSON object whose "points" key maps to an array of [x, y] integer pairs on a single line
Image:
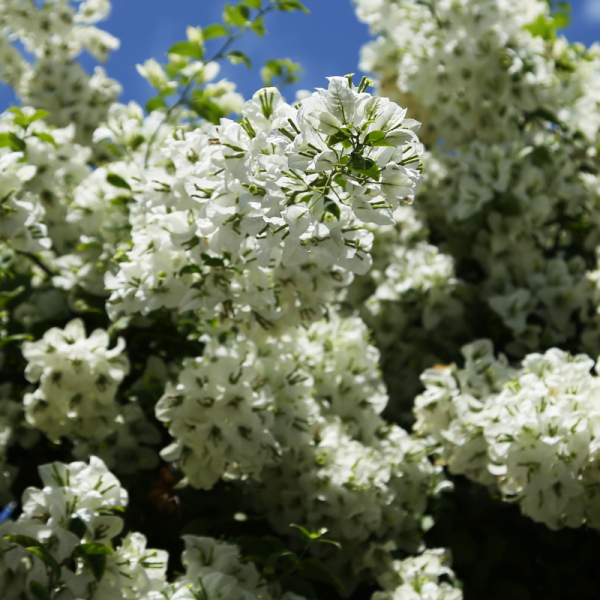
{"points": [[72, 518], [530, 430], [78, 378], [238, 228]]}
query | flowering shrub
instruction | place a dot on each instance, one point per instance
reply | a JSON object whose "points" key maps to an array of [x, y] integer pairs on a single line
{"points": [[217, 315]]}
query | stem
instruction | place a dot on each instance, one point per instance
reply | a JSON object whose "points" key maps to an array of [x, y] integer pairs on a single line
{"points": [[218, 56], [34, 259]]}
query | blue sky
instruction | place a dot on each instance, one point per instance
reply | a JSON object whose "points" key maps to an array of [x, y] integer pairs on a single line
{"points": [[325, 43]]}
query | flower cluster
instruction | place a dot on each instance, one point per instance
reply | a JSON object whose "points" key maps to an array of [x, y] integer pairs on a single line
{"points": [[262, 219], [54, 33], [62, 543], [531, 431], [78, 377]]}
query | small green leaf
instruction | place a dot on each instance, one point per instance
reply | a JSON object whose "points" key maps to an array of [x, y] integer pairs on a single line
{"points": [[46, 137], [6, 297], [237, 57], [18, 337], [258, 26], [11, 141], [187, 49], [117, 181], [92, 548], [214, 31], [332, 208], [155, 103], [38, 591], [376, 138], [212, 261], [236, 15], [23, 540], [96, 563], [289, 5], [47, 559], [24, 120], [253, 3]]}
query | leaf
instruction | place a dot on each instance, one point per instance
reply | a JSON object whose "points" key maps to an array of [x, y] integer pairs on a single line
{"points": [[46, 137], [6, 297], [11, 141], [289, 5], [38, 591], [47, 559], [237, 15], [236, 57], [332, 208], [96, 563], [155, 103], [76, 525], [212, 261], [253, 3], [187, 49], [214, 31], [23, 540], [18, 337], [207, 110], [26, 120], [92, 548], [258, 26], [117, 181], [376, 138]]}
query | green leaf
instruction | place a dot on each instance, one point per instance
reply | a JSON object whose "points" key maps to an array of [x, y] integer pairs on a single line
{"points": [[237, 57], [23, 540], [207, 110], [92, 548], [117, 181], [26, 120], [18, 337], [376, 138], [96, 563], [332, 208], [76, 525], [253, 3], [47, 559], [214, 31], [289, 5], [187, 49], [155, 103], [258, 26], [38, 591], [236, 15], [11, 141], [46, 137], [6, 297], [212, 261]]}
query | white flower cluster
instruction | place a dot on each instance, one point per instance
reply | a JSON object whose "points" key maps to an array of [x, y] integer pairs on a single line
{"points": [[62, 541], [531, 431], [472, 68], [235, 410], [39, 168], [415, 578], [55, 33], [264, 218], [78, 377]]}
